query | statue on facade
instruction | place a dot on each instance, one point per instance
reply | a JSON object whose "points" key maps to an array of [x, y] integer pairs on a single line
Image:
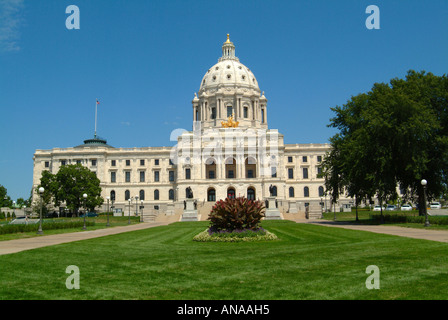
{"points": [[271, 190], [189, 193]]}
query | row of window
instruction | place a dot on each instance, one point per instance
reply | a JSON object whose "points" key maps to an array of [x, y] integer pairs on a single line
{"points": [[304, 159], [304, 173], [127, 176], [211, 193], [141, 195]]}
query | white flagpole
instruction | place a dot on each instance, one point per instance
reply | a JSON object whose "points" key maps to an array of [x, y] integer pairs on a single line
{"points": [[96, 106]]}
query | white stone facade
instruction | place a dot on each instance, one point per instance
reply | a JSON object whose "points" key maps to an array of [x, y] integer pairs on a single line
{"points": [[212, 160]]}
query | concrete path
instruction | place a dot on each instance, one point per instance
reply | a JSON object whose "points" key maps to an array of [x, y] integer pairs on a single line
{"points": [[13, 246], [434, 235]]}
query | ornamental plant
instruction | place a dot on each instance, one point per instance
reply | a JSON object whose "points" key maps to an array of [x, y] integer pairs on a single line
{"points": [[240, 213]]}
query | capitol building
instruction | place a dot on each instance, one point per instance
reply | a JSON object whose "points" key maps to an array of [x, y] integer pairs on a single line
{"points": [[230, 152]]}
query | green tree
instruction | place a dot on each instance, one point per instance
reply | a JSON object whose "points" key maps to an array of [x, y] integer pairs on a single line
{"points": [[393, 135], [69, 185]]}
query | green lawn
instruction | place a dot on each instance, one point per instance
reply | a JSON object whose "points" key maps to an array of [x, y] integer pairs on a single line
{"points": [[308, 262]]}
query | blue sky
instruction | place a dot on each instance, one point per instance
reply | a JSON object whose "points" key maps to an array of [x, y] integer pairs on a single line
{"points": [[144, 60]]}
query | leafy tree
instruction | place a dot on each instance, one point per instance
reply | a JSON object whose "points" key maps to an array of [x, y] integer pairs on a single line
{"points": [[393, 135], [69, 185]]}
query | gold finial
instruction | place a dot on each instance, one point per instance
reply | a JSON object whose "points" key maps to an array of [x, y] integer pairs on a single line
{"points": [[230, 123], [228, 38]]}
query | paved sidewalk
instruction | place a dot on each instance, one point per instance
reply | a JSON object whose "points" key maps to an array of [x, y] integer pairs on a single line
{"points": [[13, 246], [433, 235]]}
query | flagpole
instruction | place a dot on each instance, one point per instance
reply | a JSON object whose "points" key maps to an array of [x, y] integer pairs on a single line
{"points": [[96, 106]]}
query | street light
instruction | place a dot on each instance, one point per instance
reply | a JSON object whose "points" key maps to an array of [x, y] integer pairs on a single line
{"points": [[41, 192], [85, 210], [424, 182], [129, 219], [107, 212]]}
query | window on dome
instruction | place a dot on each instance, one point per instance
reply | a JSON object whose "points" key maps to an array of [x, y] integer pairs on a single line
{"points": [[213, 113], [243, 77], [246, 112], [228, 77]]}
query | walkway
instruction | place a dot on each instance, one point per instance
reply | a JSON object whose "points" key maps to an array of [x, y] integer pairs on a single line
{"points": [[433, 235], [13, 246]]}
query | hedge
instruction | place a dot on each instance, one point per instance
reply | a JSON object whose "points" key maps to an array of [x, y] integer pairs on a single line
{"points": [[402, 218], [16, 228]]}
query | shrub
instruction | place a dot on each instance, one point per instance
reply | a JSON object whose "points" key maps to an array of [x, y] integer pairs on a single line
{"points": [[16, 228], [403, 218], [236, 214]]}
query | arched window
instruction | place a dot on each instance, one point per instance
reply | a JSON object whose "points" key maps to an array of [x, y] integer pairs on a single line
{"points": [[171, 194], [156, 194], [306, 192], [231, 193], [251, 193], [142, 195], [112, 195], [321, 191], [291, 192], [127, 195], [211, 194]]}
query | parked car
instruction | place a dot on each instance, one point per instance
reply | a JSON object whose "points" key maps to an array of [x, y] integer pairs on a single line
{"points": [[90, 215], [406, 207], [378, 208], [391, 207], [435, 205]]}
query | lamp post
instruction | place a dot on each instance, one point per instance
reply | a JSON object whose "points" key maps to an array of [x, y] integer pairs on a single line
{"points": [[13, 208], [141, 209], [129, 215], [107, 213], [41, 192], [424, 182], [85, 211]]}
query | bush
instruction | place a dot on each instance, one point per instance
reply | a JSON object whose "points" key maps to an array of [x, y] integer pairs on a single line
{"points": [[236, 214], [16, 228]]}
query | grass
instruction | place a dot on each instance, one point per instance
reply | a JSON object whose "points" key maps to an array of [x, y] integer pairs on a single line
{"points": [[307, 262]]}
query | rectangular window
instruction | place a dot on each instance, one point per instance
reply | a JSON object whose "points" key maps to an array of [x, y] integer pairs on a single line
{"points": [[113, 176], [142, 162], [289, 159], [171, 163], [113, 163], [262, 115], [156, 176], [171, 176], [246, 112], [156, 162], [78, 161], [274, 172], [305, 173], [63, 162], [93, 163], [319, 158], [290, 173], [128, 163], [319, 171], [250, 173], [187, 174], [211, 174], [304, 159], [127, 176], [213, 116], [142, 176], [230, 174], [47, 164], [229, 111]]}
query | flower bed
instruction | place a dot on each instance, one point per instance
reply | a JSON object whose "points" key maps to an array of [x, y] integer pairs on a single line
{"points": [[208, 235]]}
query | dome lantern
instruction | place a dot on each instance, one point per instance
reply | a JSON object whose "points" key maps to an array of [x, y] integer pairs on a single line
{"points": [[228, 50]]}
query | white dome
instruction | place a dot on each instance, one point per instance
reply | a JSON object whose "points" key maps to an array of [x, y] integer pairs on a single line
{"points": [[229, 73]]}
